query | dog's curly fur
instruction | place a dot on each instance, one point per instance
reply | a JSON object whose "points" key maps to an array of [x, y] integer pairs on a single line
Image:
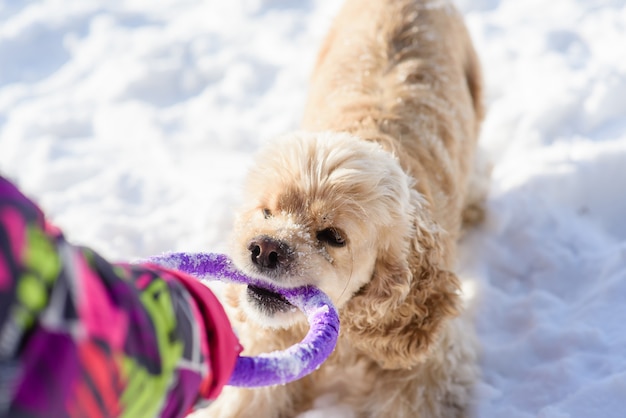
{"points": [[367, 203]]}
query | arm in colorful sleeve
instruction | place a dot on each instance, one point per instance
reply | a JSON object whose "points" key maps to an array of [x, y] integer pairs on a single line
{"points": [[81, 337]]}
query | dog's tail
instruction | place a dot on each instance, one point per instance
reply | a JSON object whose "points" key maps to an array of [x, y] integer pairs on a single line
{"points": [[474, 78]]}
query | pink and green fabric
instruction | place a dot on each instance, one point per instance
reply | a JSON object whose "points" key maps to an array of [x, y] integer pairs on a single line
{"points": [[80, 337]]}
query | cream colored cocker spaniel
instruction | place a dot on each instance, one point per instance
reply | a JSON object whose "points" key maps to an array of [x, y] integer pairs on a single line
{"points": [[367, 203]]}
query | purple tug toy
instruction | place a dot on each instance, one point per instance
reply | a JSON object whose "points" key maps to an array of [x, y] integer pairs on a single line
{"points": [[278, 367]]}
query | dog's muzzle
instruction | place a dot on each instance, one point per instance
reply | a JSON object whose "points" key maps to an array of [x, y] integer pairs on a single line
{"points": [[267, 301], [269, 254]]}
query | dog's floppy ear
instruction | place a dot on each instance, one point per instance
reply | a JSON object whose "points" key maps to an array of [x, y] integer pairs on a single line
{"points": [[397, 316]]}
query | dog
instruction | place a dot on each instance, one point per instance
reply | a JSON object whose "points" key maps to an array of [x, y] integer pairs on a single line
{"points": [[367, 203]]}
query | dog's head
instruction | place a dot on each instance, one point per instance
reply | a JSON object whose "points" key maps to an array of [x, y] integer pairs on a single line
{"points": [[339, 213]]}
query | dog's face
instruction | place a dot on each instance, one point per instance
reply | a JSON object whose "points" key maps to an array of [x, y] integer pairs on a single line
{"points": [[320, 210]]}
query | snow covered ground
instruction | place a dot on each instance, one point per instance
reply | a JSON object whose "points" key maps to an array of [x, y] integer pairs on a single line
{"points": [[132, 123]]}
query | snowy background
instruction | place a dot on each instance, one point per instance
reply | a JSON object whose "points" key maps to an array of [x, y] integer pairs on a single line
{"points": [[133, 122]]}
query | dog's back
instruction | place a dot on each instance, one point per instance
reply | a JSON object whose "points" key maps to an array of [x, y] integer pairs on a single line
{"points": [[404, 73]]}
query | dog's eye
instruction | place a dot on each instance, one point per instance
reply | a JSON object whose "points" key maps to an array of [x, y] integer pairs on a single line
{"points": [[267, 213], [332, 237]]}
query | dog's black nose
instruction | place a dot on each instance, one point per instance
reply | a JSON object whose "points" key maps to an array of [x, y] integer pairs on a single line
{"points": [[268, 253]]}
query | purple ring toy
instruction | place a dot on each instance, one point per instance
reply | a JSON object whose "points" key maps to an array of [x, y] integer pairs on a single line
{"points": [[278, 367]]}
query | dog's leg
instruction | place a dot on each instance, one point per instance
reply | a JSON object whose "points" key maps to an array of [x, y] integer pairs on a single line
{"points": [[269, 402], [441, 387], [278, 401]]}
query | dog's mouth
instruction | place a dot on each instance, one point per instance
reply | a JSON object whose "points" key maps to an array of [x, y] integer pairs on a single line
{"points": [[267, 301]]}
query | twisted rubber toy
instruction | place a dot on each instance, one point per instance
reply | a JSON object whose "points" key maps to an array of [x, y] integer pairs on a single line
{"points": [[278, 367]]}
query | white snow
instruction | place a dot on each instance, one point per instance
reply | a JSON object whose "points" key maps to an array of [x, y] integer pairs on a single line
{"points": [[133, 122]]}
